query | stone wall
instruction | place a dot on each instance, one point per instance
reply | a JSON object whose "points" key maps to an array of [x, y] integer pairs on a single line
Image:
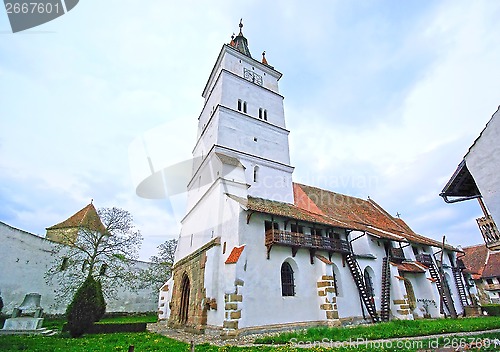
{"points": [[24, 259], [192, 267]]}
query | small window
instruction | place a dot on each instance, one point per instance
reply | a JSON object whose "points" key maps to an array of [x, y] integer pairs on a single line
{"points": [[255, 173], [239, 104], [414, 249], [265, 115], [316, 232], [287, 281], [64, 264], [369, 284], [260, 113], [489, 281], [268, 225], [245, 107], [297, 228]]}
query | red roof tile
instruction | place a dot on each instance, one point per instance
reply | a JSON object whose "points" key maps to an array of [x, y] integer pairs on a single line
{"points": [[320, 206], [323, 259], [410, 268], [87, 217], [235, 255], [475, 258], [492, 267]]}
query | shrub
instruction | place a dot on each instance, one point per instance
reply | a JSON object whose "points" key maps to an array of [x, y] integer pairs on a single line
{"points": [[491, 309], [85, 308], [1, 304], [101, 301]]}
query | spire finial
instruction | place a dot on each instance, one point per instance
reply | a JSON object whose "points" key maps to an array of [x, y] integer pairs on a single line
{"points": [[92, 201], [264, 61], [241, 25]]}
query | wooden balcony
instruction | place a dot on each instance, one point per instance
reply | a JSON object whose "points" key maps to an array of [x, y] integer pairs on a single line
{"points": [[299, 240], [490, 232], [423, 258], [396, 255]]}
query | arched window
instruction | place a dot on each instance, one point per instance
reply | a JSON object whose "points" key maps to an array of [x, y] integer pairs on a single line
{"points": [[255, 173], [265, 115], [239, 104], [260, 113], [369, 283], [287, 282], [244, 106]]}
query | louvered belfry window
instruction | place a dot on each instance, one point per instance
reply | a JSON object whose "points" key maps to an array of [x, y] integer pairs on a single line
{"points": [[287, 282]]}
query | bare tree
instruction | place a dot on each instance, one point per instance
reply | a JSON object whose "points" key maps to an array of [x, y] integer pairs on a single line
{"points": [[105, 248], [160, 269]]}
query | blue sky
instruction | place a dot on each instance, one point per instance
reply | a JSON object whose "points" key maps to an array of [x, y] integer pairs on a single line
{"points": [[382, 98]]}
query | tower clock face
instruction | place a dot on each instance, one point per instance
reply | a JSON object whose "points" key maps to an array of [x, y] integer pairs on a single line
{"points": [[252, 76]]}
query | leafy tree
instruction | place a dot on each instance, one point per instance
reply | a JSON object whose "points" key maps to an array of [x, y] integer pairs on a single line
{"points": [[105, 249], [160, 269], [1, 304], [85, 308]]}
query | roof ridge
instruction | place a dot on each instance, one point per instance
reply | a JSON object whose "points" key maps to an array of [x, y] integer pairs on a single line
{"points": [[389, 216]]}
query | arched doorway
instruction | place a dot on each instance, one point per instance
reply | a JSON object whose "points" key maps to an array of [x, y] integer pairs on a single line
{"points": [[412, 301], [184, 307]]}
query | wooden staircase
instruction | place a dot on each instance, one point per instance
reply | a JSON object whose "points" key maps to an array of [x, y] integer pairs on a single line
{"points": [[385, 300], [457, 275], [444, 290], [360, 283]]}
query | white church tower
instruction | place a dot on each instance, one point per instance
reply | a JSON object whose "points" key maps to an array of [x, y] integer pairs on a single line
{"points": [[243, 118], [242, 143], [241, 151]]}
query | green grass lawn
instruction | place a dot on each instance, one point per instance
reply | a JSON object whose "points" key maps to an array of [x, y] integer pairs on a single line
{"points": [[146, 341], [395, 328]]}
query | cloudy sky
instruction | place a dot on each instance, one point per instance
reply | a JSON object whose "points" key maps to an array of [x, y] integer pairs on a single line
{"points": [[382, 98]]}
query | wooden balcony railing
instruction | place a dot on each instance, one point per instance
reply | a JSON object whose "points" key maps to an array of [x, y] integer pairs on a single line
{"points": [[300, 240], [490, 232], [423, 258], [397, 254]]}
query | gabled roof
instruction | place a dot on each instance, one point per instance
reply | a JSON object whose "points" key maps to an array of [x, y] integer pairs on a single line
{"points": [[475, 259], [315, 205], [461, 185], [87, 217], [492, 267], [365, 215], [481, 262]]}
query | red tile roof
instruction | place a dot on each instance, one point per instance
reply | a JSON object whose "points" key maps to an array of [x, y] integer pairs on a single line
{"points": [[235, 255], [320, 206], [410, 268], [475, 259], [492, 267], [323, 259], [87, 217]]}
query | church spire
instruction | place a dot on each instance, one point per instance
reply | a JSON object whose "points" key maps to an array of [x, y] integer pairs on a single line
{"points": [[239, 42]]}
